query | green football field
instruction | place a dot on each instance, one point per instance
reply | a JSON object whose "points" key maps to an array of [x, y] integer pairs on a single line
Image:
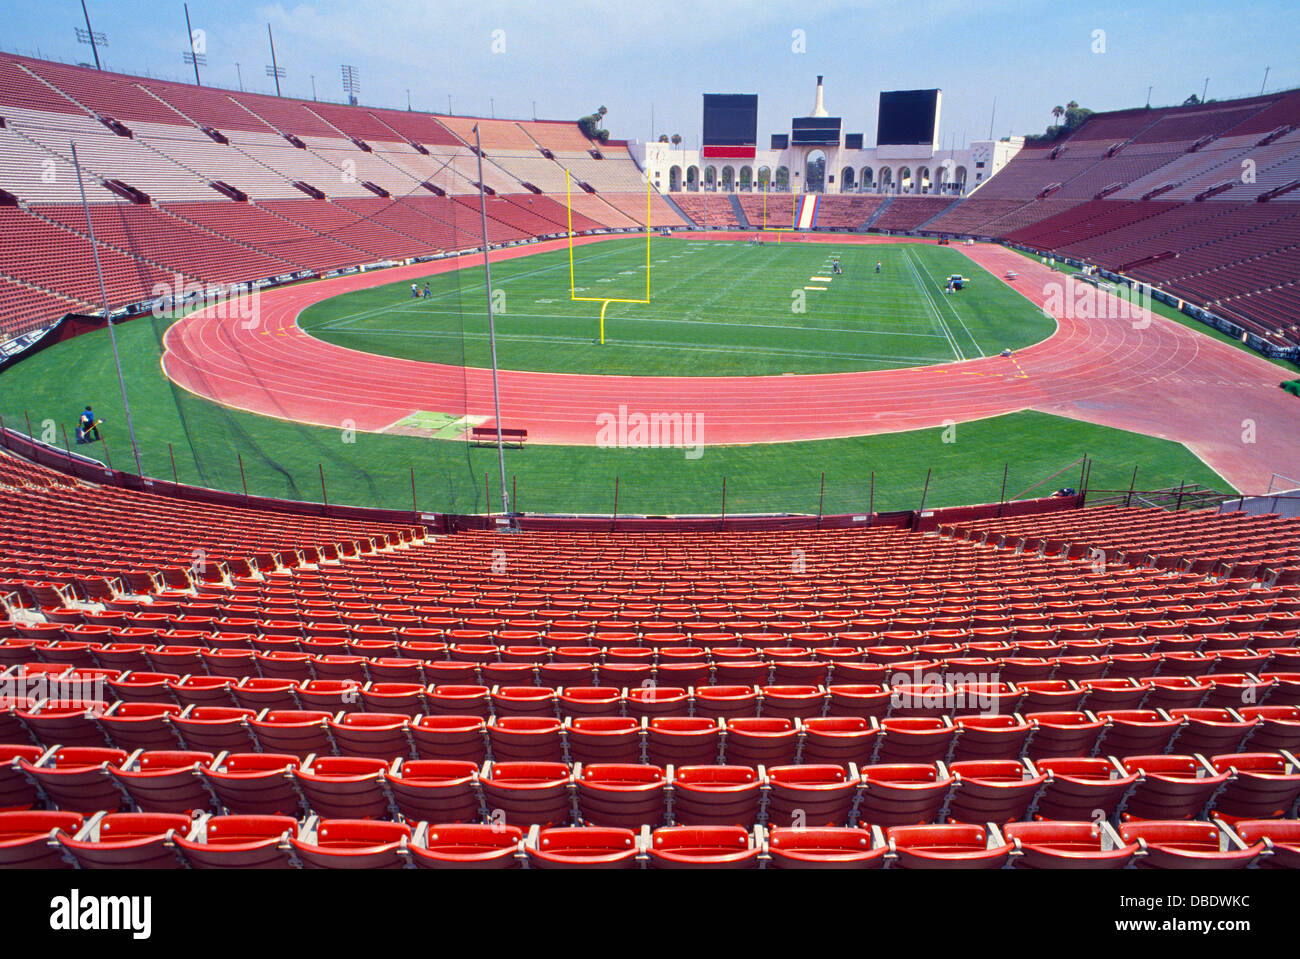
{"points": [[716, 308], [229, 449]]}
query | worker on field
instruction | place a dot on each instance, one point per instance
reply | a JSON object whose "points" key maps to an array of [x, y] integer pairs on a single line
{"points": [[87, 426], [835, 266], [415, 291], [877, 266], [427, 291]]}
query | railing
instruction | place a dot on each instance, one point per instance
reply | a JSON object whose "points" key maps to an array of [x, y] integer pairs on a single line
{"points": [[1185, 496]]}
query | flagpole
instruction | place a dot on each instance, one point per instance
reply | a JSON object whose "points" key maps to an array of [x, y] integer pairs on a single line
{"points": [[108, 316], [492, 332]]}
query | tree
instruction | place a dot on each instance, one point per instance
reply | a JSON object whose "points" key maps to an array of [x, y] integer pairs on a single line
{"points": [[663, 138], [1192, 101], [1068, 119], [591, 128], [677, 139]]}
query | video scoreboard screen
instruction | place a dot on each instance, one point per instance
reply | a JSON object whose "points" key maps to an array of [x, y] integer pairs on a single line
{"points": [[730, 124], [907, 117], [818, 131]]}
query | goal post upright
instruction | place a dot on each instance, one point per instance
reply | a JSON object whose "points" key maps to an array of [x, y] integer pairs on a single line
{"points": [[605, 301]]}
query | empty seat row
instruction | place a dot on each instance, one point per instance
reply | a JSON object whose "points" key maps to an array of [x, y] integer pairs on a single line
{"points": [[547, 792], [160, 841]]}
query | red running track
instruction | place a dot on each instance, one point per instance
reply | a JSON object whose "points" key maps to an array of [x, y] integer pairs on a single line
{"points": [[1165, 380]]}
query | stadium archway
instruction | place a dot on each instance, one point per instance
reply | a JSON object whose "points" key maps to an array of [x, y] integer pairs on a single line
{"points": [[746, 178], [923, 179], [814, 176], [905, 180], [728, 178], [847, 181], [867, 180], [764, 178], [959, 179], [710, 178], [692, 178], [674, 179], [782, 181], [886, 179]]}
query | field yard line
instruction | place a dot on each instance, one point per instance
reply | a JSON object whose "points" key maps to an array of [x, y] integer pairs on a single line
{"points": [[342, 322], [903, 361], [934, 309], [632, 319], [949, 301]]}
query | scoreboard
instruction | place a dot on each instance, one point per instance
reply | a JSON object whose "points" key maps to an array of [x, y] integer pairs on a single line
{"points": [[815, 131], [730, 125], [908, 118]]}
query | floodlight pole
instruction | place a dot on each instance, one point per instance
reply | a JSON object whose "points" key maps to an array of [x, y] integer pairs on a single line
{"points": [[492, 331], [91, 34], [275, 70], [108, 316], [194, 57]]}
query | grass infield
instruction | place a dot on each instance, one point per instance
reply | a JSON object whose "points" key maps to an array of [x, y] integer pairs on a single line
{"points": [[716, 309]]}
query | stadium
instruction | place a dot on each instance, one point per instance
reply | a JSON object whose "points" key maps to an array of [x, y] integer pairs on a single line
{"points": [[455, 491]]}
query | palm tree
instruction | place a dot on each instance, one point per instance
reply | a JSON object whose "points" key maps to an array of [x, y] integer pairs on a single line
{"points": [[677, 139], [1057, 113]]}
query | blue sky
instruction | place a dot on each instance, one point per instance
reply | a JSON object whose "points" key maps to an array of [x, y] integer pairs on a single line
{"points": [[569, 56]]}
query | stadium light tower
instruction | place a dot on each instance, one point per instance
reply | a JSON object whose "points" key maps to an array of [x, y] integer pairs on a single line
{"points": [[492, 332], [108, 315], [351, 83], [271, 69], [193, 56], [89, 35]]}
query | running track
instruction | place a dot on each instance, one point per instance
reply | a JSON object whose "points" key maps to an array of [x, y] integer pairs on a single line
{"points": [[1165, 380]]}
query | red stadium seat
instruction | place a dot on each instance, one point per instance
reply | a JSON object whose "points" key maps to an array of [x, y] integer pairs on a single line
{"points": [[946, 846], [993, 790], [1067, 845], [128, 841], [165, 781], [1280, 837], [468, 846], [239, 842], [255, 784], [353, 844], [625, 795], [583, 847], [839, 739], [1170, 786], [825, 848], [1187, 845], [902, 794], [716, 795], [77, 778], [750, 741], [604, 739], [450, 737], [683, 740], [702, 847], [810, 795], [436, 790], [31, 839], [528, 793], [1079, 788], [337, 785]]}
